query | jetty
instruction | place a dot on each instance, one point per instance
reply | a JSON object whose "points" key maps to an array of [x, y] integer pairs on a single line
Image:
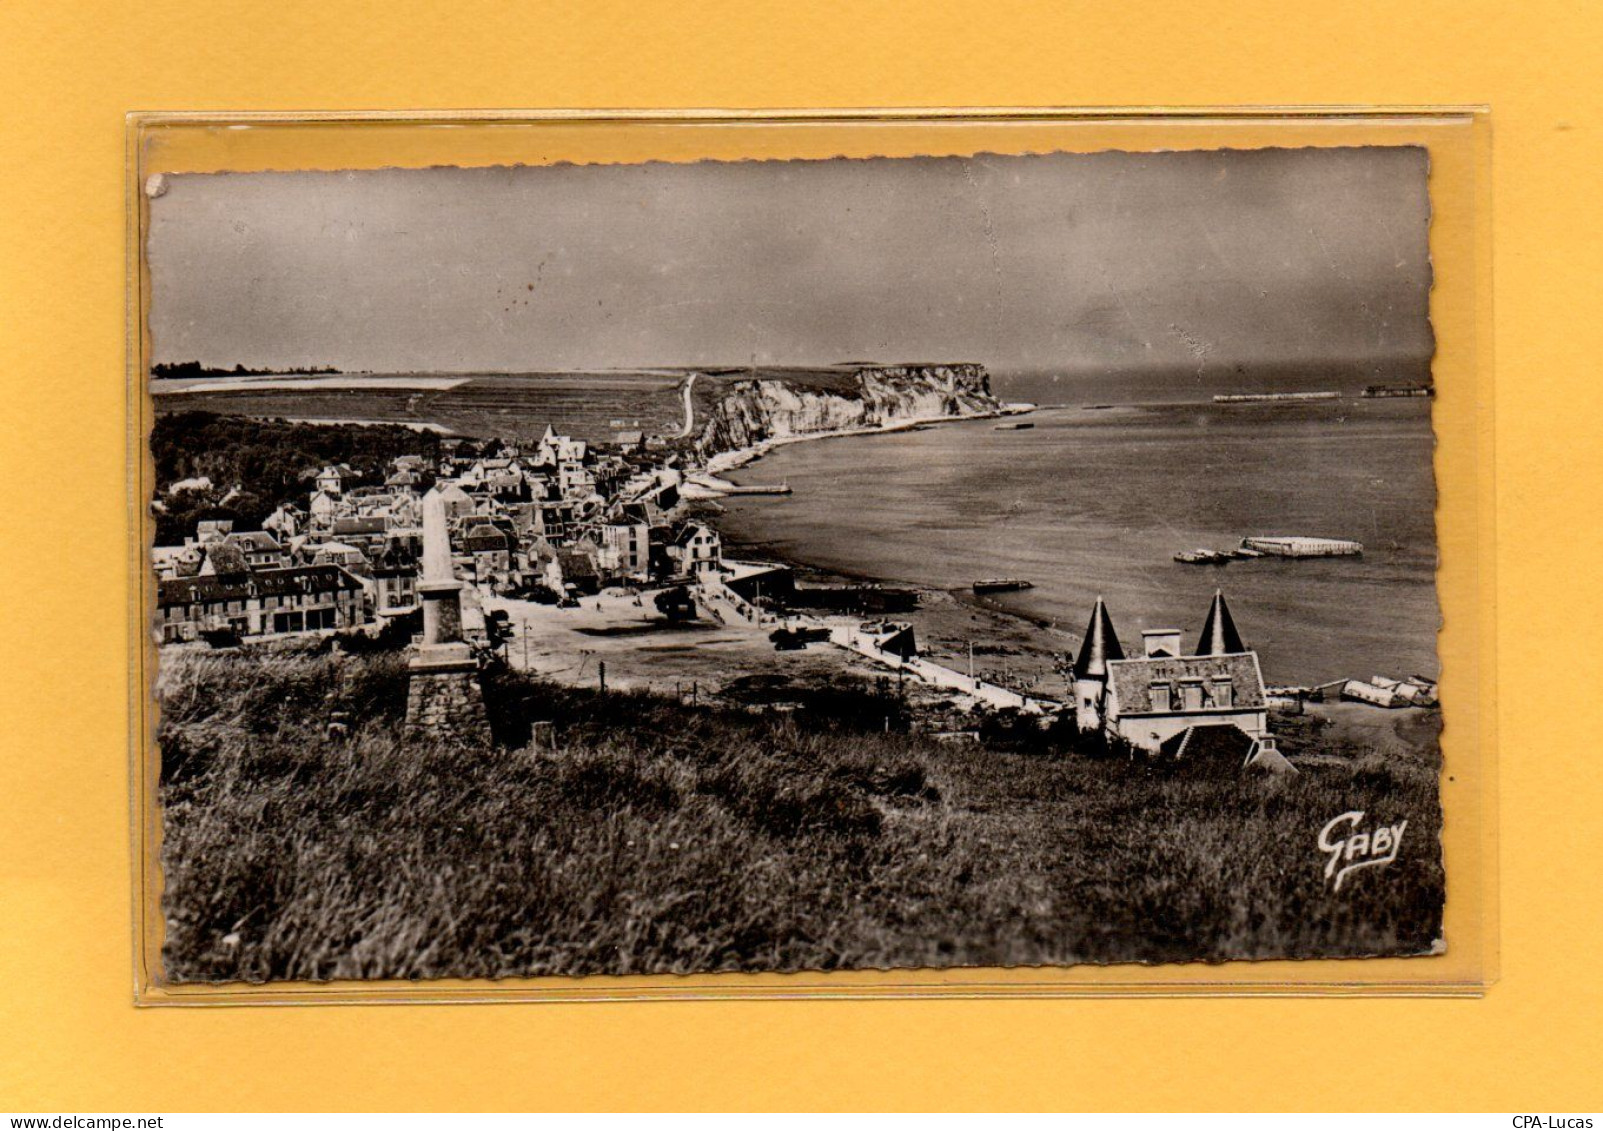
{"points": [[757, 489], [703, 485]]}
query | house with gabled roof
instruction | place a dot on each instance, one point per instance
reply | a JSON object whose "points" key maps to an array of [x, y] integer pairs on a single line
{"points": [[490, 547], [458, 503], [334, 478], [260, 549], [696, 549], [403, 479], [348, 557], [1156, 701], [578, 571]]}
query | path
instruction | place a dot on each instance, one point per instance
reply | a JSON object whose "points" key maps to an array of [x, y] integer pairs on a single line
{"points": [[690, 408], [732, 609], [849, 638]]}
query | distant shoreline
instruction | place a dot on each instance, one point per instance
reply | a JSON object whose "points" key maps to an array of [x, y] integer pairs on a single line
{"points": [[712, 485]]}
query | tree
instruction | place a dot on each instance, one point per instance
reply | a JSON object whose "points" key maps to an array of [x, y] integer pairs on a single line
{"points": [[676, 604]]}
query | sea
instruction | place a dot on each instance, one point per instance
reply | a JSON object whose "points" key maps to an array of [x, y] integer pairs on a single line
{"points": [[1098, 497]]}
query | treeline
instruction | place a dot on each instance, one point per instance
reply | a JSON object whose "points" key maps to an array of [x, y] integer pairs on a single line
{"points": [[166, 369], [270, 461]]}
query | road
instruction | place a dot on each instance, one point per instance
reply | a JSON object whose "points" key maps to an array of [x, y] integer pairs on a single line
{"points": [[690, 408]]}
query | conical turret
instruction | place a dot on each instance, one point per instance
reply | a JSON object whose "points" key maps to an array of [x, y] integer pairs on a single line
{"points": [[1091, 667], [1219, 636], [1101, 645]]}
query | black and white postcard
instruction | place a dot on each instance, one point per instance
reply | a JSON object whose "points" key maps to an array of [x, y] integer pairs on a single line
{"points": [[795, 565]]}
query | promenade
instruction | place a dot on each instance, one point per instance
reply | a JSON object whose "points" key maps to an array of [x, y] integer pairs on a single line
{"points": [[732, 609]]}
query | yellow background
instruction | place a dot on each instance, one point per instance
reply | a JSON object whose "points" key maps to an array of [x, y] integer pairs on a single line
{"points": [[203, 143], [70, 1038]]}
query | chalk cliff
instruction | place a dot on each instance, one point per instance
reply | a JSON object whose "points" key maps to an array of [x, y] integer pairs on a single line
{"points": [[747, 411]]}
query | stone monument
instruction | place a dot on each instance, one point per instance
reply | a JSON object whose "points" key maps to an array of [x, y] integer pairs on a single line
{"points": [[443, 697]]}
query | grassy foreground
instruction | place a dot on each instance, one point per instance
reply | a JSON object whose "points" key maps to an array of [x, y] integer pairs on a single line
{"points": [[650, 837]]}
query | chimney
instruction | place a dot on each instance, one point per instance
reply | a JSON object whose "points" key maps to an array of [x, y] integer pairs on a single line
{"points": [[1160, 642]]}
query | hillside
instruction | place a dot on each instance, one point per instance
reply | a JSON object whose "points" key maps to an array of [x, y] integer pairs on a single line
{"points": [[508, 406], [729, 404]]}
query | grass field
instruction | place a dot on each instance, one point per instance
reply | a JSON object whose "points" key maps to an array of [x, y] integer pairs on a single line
{"points": [[653, 837]]}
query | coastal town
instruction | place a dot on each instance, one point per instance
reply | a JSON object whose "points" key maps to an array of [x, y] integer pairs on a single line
{"points": [[543, 536], [556, 522], [562, 544]]}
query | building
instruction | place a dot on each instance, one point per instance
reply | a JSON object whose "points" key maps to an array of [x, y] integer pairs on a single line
{"points": [[576, 571], [367, 533], [252, 603], [323, 509], [490, 547], [177, 561], [335, 478], [285, 522], [341, 554], [259, 549], [404, 480], [395, 582], [696, 549], [628, 545], [1153, 700], [213, 529], [1101, 645], [458, 503]]}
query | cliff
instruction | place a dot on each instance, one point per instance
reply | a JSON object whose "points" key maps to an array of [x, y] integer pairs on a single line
{"points": [[776, 404]]}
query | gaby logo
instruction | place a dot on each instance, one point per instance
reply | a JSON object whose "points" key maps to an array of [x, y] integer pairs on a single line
{"points": [[1349, 847]]}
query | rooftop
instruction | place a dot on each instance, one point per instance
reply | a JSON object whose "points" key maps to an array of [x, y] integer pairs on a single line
{"points": [[1131, 680]]}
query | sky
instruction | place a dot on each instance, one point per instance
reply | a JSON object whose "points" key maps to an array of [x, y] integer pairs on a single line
{"points": [[1203, 261]]}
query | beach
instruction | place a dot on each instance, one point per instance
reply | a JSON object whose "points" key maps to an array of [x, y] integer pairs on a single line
{"points": [[711, 482]]}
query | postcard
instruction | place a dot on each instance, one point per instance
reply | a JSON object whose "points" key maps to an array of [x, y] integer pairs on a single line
{"points": [[782, 565]]}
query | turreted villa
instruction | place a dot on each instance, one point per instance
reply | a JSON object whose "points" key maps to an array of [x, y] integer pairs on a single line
{"points": [[1166, 699]]}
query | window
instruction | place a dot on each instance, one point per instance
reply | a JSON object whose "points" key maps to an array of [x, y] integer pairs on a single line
{"points": [[1162, 699]]}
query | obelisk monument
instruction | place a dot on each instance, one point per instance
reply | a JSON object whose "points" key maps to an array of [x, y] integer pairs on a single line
{"points": [[443, 696]]}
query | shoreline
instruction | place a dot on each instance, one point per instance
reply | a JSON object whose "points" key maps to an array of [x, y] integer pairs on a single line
{"points": [[1015, 650], [710, 484]]}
